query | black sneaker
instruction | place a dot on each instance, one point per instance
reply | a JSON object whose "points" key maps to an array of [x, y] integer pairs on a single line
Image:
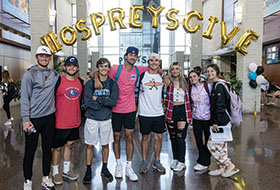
{"points": [[106, 174], [88, 177]]}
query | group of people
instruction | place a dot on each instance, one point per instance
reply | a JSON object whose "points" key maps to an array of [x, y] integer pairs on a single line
{"points": [[50, 106]]}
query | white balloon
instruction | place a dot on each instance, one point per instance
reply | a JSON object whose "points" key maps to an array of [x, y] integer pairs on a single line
{"points": [[260, 79], [253, 67]]}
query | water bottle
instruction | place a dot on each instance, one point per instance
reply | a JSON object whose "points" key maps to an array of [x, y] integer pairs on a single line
{"points": [[31, 130]]}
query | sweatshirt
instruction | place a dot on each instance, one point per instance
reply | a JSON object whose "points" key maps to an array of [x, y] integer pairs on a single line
{"points": [[101, 108], [220, 101], [37, 93]]}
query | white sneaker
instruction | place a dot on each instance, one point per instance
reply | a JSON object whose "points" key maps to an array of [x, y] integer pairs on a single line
{"points": [[27, 185], [119, 171], [8, 123], [173, 164], [47, 182], [200, 167], [131, 174], [179, 167], [12, 119]]}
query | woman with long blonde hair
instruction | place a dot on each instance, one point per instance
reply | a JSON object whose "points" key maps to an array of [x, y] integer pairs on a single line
{"points": [[7, 98], [177, 114]]}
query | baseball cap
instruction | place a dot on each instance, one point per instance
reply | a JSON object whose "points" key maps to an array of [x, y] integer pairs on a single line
{"points": [[153, 56], [43, 50], [132, 49], [71, 60]]}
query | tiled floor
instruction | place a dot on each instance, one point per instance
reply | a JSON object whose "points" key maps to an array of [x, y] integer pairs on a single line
{"points": [[255, 150]]}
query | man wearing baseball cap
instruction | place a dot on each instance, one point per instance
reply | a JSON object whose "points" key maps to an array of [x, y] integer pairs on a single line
{"points": [[68, 93], [37, 111], [124, 113], [151, 115]]}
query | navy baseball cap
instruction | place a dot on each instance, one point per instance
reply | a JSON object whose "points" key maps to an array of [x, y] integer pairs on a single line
{"points": [[71, 60], [132, 49]]}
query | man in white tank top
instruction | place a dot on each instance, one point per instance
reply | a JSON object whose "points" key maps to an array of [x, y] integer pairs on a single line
{"points": [[150, 110]]}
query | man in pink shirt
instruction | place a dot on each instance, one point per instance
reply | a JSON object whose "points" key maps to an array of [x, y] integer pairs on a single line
{"points": [[124, 112]]}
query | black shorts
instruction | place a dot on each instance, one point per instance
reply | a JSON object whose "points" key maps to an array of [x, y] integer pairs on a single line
{"points": [[63, 135], [120, 119], [179, 113], [154, 124]]}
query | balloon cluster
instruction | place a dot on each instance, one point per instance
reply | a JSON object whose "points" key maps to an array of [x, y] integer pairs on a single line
{"points": [[256, 77]]}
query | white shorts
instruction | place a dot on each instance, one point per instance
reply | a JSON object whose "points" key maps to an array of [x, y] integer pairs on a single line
{"points": [[93, 128]]}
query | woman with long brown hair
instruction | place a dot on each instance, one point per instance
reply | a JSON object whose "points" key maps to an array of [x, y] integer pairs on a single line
{"points": [[7, 96], [220, 116], [177, 115]]}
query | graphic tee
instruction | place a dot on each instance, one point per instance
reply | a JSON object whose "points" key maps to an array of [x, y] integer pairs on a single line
{"points": [[150, 96], [67, 104], [201, 102]]}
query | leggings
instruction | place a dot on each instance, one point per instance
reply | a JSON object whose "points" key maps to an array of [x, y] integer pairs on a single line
{"points": [[44, 126], [6, 106]]}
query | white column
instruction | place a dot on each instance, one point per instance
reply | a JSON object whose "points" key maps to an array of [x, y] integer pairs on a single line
{"points": [[252, 19], [82, 50]]}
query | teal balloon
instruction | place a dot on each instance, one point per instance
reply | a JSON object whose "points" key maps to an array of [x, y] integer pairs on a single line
{"points": [[253, 76]]}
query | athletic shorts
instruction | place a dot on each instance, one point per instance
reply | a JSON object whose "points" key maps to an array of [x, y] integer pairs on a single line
{"points": [[154, 124], [120, 119], [63, 135], [95, 129]]}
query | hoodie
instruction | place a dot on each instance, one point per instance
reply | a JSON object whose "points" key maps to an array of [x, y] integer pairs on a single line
{"points": [[37, 93], [101, 108], [220, 101]]}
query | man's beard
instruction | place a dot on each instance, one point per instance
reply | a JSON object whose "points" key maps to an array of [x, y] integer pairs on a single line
{"points": [[70, 74]]}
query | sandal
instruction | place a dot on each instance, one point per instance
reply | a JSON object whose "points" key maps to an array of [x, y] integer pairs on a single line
{"points": [[230, 173], [215, 172]]}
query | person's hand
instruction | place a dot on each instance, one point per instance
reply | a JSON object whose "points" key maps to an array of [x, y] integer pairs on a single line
{"points": [[94, 97], [97, 83], [166, 80], [26, 126], [215, 128]]}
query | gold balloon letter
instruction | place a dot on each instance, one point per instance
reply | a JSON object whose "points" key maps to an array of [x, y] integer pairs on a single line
{"points": [[172, 19], [83, 29], [210, 27], [119, 19], [155, 14], [133, 16], [72, 33], [245, 41], [50, 41], [187, 19], [95, 24], [226, 38]]}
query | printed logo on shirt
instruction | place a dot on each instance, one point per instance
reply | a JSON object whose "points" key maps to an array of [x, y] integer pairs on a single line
{"points": [[72, 93], [101, 92], [153, 84], [133, 77]]}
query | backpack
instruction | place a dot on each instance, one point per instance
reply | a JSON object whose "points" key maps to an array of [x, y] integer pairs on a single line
{"points": [[206, 87], [235, 106], [82, 102], [13, 90], [136, 89]]}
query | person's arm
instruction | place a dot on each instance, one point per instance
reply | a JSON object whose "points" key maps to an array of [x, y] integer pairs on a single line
{"points": [[26, 91], [188, 107], [164, 77], [220, 104], [97, 82], [111, 100], [89, 98]]}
